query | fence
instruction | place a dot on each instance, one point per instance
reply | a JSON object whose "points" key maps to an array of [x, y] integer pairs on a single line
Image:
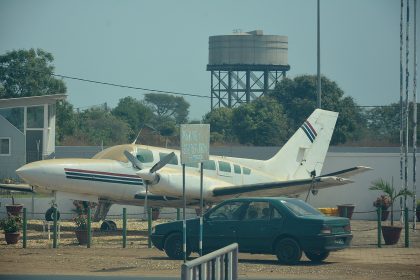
{"points": [[218, 265]]}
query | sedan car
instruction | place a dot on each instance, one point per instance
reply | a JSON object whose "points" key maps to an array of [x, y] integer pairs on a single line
{"points": [[282, 226]]}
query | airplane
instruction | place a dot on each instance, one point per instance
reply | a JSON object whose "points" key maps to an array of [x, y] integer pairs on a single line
{"points": [[133, 174]]}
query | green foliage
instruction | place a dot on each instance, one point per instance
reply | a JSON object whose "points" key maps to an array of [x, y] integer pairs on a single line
{"points": [[168, 106], [11, 224], [261, 122], [390, 191], [221, 125], [134, 112], [66, 120], [81, 222], [28, 73], [298, 97], [97, 124]]}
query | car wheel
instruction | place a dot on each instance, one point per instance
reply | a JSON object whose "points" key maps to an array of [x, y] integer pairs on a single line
{"points": [[288, 251], [173, 247], [317, 256]]}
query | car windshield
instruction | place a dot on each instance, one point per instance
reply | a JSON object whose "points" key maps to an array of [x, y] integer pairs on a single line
{"points": [[300, 208]]}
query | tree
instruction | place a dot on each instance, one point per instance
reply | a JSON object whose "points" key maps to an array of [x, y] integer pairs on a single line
{"points": [[97, 125], [221, 125], [134, 112], [66, 120], [261, 122], [298, 97], [168, 106], [28, 73]]}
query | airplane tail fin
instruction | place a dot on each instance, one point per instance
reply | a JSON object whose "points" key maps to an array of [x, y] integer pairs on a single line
{"points": [[305, 152]]}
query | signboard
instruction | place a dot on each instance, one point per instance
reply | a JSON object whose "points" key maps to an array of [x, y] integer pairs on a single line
{"points": [[195, 142]]}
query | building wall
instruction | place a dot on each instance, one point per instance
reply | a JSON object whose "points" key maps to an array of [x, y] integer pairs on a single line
{"points": [[8, 164]]}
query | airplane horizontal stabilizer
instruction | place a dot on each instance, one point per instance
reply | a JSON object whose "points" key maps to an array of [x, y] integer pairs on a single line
{"points": [[17, 187], [287, 188], [350, 171]]}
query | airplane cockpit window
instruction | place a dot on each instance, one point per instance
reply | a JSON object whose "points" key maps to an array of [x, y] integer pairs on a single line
{"points": [[224, 166], [209, 165], [246, 171], [237, 169], [144, 155], [173, 161]]}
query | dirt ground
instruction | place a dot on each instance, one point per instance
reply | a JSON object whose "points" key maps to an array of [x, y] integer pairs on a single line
{"points": [[107, 257]]}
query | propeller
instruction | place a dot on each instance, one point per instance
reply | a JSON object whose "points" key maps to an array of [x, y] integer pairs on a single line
{"points": [[136, 163]]}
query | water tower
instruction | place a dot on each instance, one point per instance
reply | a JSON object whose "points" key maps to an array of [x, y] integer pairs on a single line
{"points": [[245, 66]]}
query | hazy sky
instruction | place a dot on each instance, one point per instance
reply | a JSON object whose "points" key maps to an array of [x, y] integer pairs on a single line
{"points": [[164, 44]]}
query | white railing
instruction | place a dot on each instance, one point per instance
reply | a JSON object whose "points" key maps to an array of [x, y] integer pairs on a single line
{"points": [[218, 265]]}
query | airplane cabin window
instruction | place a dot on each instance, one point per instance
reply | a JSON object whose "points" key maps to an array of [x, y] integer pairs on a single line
{"points": [[173, 161], [224, 166], [237, 169], [209, 165], [246, 171], [144, 155], [194, 165]]}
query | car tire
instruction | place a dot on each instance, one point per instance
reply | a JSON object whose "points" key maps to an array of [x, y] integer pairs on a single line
{"points": [[317, 257], [173, 247], [288, 251], [49, 215]]}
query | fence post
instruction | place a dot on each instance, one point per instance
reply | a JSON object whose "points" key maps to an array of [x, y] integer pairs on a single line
{"points": [[24, 225], [89, 228], [55, 228], [407, 241], [149, 227], [124, 227], [379, 212], [178, 214]]}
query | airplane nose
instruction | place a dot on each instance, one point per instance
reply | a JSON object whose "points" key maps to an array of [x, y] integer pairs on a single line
{"points": [[30, 172]]}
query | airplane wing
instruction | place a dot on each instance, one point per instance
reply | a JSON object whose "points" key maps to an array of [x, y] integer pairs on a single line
{"points": [[285, 188], [17, 187]]}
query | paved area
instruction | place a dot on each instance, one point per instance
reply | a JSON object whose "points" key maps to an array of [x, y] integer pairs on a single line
{"points": [[107, 258]]}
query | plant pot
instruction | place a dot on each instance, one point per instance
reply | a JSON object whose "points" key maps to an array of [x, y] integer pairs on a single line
{"points": [[384, 215], [82, 236], [12, 237], [155, 214], [345, 208], [14, 210], [391, 234]]}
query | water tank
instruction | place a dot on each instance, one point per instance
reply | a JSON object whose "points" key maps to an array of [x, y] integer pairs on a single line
{"points": [[248, 48]]}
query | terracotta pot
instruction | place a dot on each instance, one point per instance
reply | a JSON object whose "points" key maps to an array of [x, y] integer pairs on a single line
{"points": [[82, 236], [391, 234], [385, 214], [14, 209], [12, 237], [342, 209]]}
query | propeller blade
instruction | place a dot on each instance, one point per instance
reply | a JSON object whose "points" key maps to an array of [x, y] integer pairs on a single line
{"points": [[136, 163], [162, 162]]}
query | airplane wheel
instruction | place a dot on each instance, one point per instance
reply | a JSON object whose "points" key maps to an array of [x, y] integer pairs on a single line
{"points": [[288, 251], [173, 247], [108, 225], [49, 215]]}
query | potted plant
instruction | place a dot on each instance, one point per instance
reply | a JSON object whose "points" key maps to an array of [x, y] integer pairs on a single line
{"points": [[81, 225], [13, 209], [383, 202], [390, 233], [11, 226]]}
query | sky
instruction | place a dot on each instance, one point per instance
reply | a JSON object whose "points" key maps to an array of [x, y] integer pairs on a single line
{"points": [[163, 45]]}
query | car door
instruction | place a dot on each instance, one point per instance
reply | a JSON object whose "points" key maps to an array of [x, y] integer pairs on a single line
{"points": [[260, 226], [220, 225]]}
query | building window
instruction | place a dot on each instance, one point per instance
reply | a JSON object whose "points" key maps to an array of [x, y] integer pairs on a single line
{"points": [[4, 146], [35, 117]]}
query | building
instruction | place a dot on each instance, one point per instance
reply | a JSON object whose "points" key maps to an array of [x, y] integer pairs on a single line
{"points": [[27, 131]]}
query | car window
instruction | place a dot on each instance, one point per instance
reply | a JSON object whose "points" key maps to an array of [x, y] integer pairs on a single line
{"points": [[300, 208], [228, 211], [258, 210], [276, 214]]}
